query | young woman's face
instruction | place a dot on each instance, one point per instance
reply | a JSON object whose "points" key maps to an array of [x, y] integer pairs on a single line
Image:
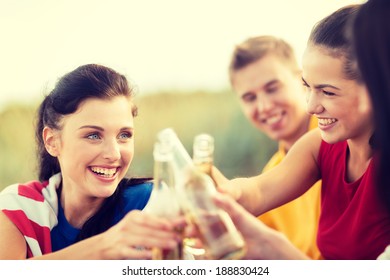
{"points": [[96, 146], [272, 98], [334, 100]]}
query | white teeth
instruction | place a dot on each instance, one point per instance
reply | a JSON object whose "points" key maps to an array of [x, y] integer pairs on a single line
{"points": [[326, 121], [106, 172], [274, 119]]}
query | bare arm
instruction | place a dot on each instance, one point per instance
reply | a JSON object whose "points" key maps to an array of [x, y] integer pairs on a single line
{"points": [[291, 178], [132, 238], [12, 243]]}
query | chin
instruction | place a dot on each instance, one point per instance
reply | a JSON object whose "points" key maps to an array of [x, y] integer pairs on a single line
{"points": [[107, 193], [276, 136], [328, 139]]}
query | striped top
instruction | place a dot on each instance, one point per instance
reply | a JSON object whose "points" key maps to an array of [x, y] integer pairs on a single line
{"points": [[33, 208]]}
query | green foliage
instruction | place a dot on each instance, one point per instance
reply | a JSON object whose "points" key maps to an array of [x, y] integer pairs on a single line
{"points": [[240, 150]]}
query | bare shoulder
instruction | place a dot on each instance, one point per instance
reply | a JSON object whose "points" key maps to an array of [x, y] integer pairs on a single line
{"points": [[12, 242], [309, 144]]}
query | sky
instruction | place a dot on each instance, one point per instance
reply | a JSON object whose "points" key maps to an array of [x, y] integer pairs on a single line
{"points": [[158, 44]]}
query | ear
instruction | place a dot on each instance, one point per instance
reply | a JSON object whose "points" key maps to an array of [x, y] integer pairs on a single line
{"points": [[51, 140]]}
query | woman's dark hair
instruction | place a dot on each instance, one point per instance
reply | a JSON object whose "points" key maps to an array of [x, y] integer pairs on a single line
{"points": [[330, 33], [85, 82], [371, 41]]}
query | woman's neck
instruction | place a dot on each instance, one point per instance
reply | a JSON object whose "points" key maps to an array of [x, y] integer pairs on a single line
{"points": [[78, 210], [359, 158]]}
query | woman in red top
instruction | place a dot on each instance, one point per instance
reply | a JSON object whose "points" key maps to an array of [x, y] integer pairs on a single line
{"points": [[355, 220], [372, 54]]}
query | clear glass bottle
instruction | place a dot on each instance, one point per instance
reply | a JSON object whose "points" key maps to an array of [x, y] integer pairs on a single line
{"points": [[203, 152], [203, 159], [163, 200], [221, 238]]}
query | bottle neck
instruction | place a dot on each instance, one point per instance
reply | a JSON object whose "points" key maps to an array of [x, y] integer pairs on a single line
{"points": [[203, 160], [180, 158], [203, 152], [163, 175]]}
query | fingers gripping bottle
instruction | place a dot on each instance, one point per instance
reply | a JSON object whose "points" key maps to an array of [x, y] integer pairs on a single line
{"points": [[163, 200], [221, 238]]}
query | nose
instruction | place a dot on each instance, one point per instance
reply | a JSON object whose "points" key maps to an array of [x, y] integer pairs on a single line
{"points": [[313, 103], [264, 103], [111, 150]]}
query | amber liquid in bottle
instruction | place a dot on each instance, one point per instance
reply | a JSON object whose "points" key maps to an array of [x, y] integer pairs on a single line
{"points": [[203, 153], [218, 233], [169, 254], [220, 237]]}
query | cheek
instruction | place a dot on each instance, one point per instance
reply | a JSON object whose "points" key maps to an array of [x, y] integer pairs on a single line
{"points": [[128, 152], [71, 150], [353, 107], [83, 157], [249, 109]]}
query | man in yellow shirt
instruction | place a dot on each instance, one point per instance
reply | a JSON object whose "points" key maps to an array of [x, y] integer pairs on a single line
{"points": [[266, 77]]}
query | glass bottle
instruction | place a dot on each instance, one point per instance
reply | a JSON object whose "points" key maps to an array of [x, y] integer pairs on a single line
{"points": [[203, 152], [163, 200], [203, 159], [219, 235]]}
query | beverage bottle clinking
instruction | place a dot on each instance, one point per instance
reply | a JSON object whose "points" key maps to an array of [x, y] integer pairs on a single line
{"points": [[195, 189], [163, 200], [203, 152], [203, 159]]}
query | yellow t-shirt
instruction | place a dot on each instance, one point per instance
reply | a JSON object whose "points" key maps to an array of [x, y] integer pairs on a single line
{"points": [[298, 219]]}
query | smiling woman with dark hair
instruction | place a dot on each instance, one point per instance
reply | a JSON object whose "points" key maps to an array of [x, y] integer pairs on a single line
{"points": [[343, 151], [83, 207]]}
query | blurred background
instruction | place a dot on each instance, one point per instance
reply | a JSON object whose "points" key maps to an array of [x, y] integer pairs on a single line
{"points": [[174, 52]]}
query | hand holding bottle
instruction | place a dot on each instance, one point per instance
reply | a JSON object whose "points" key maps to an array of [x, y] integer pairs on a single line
{"points": [[163, 201], [221, 238]]}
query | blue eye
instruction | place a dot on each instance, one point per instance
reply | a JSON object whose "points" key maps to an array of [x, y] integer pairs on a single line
{"points": [[125, 135], [93, 136]]}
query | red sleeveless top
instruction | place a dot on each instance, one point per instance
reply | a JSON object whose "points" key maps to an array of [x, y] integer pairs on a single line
{"points": [[354, 223]]}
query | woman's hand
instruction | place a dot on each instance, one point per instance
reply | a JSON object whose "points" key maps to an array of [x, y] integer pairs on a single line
{"points": [[137, 233], [224, 185]]}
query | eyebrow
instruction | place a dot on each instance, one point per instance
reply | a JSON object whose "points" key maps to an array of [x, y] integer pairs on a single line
{"points": [[91, 126], [321, 86], [102, 129]]}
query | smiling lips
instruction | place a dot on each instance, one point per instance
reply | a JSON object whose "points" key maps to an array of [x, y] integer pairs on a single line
{"points": [[325, 122], [273, 119], [105, 172]]}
